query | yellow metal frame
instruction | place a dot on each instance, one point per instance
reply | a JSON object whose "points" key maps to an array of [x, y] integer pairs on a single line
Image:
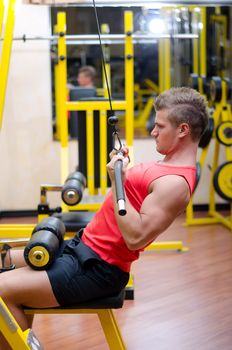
{"points": [[128, 106], [11, 330], [18, 338], [222, 113], [16, 230], [6, 50], [168, 245], [63, 106], [106, 318]]}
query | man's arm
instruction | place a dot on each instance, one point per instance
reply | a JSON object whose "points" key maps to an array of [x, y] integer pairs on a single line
{"points": [[168, 197]]}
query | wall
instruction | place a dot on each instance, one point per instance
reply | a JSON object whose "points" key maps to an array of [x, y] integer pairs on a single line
{"points": [[28, 154]]}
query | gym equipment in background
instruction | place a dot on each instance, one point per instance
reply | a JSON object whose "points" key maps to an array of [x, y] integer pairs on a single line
{"points": [[219, 131]]}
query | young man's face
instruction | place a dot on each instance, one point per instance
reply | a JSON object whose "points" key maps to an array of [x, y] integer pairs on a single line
{"points": [[165, 133]]}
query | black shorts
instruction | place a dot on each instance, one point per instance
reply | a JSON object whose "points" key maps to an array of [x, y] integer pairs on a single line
{"points": [[79, 274]]}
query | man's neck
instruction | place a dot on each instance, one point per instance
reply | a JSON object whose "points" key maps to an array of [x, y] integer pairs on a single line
{"points": [[185, 156]]}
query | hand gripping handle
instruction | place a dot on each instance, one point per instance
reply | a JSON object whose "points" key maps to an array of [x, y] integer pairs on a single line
{"points": [[120, 194]]}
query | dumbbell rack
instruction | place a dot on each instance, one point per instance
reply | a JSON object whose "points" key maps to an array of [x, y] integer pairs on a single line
{"points": [[220, 93]]}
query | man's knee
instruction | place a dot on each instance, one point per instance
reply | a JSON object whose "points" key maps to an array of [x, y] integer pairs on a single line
{"points": [[9, 286], [3, 285]]}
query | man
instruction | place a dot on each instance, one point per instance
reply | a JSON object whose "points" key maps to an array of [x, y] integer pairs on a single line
{"points": [[85, 79], [86, 76], [98, 264]]}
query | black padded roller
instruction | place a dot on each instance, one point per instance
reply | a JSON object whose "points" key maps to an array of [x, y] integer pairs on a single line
{"points": [[53, 225], [42, 249], [73, 188]]}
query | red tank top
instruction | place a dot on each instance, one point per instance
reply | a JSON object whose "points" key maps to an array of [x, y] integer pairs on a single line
{"points": [[102, 233]]}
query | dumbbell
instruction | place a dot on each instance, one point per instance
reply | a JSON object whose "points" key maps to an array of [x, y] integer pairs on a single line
{"points": [[42, 249], [73, 188]]}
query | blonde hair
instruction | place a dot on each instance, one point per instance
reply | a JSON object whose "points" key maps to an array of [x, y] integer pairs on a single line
{"points": [[185, 105]]}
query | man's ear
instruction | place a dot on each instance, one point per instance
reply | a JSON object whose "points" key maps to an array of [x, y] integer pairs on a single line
{"points": [[184, 129]]}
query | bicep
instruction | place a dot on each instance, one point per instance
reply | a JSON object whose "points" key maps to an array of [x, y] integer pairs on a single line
{"points": [[167, 199]]}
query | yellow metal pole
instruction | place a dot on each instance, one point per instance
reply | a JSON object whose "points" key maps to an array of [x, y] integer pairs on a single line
{"points": [[6, 51], [189, 212], [212, 204], [129, 79], [103, 147], [1, 15], [90, 151], [167, 63], [62, 83], [203, 69], [56, 82], [195, 21], [198, 16], [62, 93], [161, 68], [58, 122], [111, 329]]}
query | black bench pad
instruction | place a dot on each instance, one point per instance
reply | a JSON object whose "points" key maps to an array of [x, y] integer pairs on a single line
{"points": [[75, 220], [110, 302]]}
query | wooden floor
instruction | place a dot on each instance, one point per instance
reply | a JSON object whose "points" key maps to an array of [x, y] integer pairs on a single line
{"points": [[183, 301]]}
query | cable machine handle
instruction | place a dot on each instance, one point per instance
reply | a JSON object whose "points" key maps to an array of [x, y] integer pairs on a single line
{"points": [[120, 194]]}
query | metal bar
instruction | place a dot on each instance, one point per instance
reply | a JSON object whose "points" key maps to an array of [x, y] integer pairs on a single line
{"points": [[51, 187], [167, 64], [95, 105], [90, 151], [161, 65], [16, 231], [214, 162], [62, 96], [129, 77], [103, 147], [62, 76], [203, 53], [169, 245], [86, 39], [139, 3], [195, 47], [224, 220], [47, 187]]}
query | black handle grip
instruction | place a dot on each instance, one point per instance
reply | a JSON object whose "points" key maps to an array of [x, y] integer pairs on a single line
{"points": [[120, 195]]}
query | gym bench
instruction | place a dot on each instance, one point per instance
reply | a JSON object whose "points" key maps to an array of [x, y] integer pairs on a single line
{"points": [[25, 340]]}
